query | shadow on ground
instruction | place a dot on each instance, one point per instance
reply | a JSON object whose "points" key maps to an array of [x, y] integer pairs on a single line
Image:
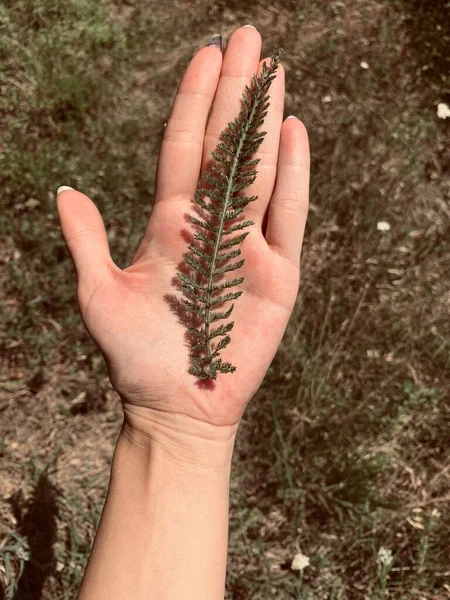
{"points": [[37, 523]]}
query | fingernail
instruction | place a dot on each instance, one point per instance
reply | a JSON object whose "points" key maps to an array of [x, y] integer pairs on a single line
{"points": [[290, 117], [216, 40], [64, 188], [252, 26]]}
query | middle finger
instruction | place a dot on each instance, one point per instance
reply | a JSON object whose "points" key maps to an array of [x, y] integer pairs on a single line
{"points": [[239, 65], [241, 62]]}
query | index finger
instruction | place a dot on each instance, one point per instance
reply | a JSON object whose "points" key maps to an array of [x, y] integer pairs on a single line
{"points": [[181, 149]]}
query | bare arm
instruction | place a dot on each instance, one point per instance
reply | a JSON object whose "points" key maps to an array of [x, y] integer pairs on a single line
{"points": [[164, 528]]}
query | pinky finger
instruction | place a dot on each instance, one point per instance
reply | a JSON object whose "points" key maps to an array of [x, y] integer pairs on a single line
{"points": [[288, 207]]}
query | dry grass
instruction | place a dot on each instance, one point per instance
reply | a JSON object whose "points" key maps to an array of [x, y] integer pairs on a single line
{"points": [[346, 448]]}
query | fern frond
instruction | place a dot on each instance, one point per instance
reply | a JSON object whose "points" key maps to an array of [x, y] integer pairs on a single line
{"points": [[219, 205]]}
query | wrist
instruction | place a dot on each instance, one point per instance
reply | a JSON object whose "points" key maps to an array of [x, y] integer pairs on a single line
{"points": [[183, 441], [164, 528]]}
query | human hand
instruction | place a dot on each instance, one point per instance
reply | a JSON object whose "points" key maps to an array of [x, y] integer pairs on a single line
{"points": [[127, 312]]}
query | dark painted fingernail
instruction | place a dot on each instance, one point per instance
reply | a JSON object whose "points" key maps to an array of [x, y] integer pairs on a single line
{"points": [[216, 40]]}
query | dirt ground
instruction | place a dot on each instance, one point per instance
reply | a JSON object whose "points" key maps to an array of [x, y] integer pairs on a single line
{"points": [[344, 455]]}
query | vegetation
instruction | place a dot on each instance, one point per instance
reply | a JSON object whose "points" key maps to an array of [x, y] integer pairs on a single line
{"points": [[344, 455], [231, 171]]}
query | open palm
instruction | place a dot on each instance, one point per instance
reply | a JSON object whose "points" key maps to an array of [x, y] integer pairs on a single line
{"points": [[133, 314]]}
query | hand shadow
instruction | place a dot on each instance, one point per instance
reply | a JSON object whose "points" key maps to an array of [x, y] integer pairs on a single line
{"points": [[38, 526]]}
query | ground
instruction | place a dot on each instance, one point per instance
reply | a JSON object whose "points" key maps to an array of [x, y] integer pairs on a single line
{"points": [[344, 455]]}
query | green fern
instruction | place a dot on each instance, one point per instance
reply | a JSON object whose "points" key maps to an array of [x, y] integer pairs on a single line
{"points": [[230, 172]]}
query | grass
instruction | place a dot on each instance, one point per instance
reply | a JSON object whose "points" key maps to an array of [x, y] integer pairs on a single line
{"points": [[345, 452]]}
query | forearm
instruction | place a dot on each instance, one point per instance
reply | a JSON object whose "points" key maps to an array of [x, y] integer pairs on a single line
{"points": [[164, 529]]}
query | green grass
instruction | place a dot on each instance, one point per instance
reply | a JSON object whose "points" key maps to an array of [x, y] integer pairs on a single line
{"points": [[345, 451]]}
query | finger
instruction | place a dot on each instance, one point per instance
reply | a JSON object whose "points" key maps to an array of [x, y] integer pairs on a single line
{"points": [[84, 232], [181, 149], [268, 151], [289, 204], [239, 65]]}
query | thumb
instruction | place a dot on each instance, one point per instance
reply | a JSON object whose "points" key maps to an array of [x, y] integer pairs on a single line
{"points": [[85, 235]]}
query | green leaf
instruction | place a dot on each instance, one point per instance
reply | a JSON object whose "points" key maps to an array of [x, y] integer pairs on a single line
{"points": [[232, 214], [219, 171], [196, 265], [199, 371], [205, 239], [203, 224], [195, 250], [250, 163], [190, 281], [213, 194], [228, 255], [221, 330], [221, 159], [220, 315], [199, 332], [250, 148], [230, 139], [232, 127], [241, 185], [194, 308], [198, 347], [223, 343], [243, 200], [227, 268], [247, 102], [226, 298], [221, 146], [190, 291], [234, 241], [257, 136], [224, 367], [238, 227], [247, 173], [218, 287], [209, 207], [215, 182]]}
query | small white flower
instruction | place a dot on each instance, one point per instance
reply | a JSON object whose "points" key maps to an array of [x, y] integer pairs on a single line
{"points": [[385, 556], [299, 562], [364, 65], [383, 226], [326, 99], [443, 110]]}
